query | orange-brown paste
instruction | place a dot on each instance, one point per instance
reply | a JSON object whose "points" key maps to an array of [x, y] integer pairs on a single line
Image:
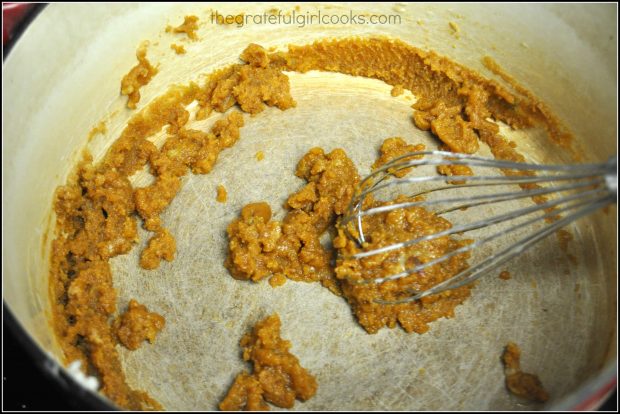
{"points": [[385, 229], [397, 90], [178, 49], [138, 76], [189, 27], [256, 247], [393, 148], [454, 169], [260, 247], [453, 102], [100, 128], [277, 376], [97, 210], [137, 324], [222, 194], [505, 275], [519, 383]]}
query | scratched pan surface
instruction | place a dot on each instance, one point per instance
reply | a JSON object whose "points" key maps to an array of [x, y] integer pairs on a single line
{"points": [[562, 315]]}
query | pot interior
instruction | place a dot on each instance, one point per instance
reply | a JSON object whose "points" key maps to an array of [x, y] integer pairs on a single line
{"points": [[62, 78]]}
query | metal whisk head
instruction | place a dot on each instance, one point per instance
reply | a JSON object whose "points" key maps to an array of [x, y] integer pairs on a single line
{"points": [[561, 194]]}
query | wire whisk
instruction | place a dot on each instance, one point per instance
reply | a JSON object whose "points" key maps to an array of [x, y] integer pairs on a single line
{"points": [[561, 195]]}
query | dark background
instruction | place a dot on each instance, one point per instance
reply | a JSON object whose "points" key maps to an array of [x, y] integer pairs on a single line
{"points": [[24, 385]]}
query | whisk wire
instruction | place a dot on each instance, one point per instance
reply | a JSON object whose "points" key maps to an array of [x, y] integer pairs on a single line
{"points": [[486, 180], [473, 160], [449, 158], [473, 273], [463, 228], [480, 242], [487, 198], [590, 187]]}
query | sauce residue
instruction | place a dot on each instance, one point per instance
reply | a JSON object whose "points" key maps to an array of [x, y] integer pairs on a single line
{"points": [[97, 210], [277, 376]]}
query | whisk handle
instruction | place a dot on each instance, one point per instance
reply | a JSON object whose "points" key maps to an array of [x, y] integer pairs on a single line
{"points": [[611, 177]]}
